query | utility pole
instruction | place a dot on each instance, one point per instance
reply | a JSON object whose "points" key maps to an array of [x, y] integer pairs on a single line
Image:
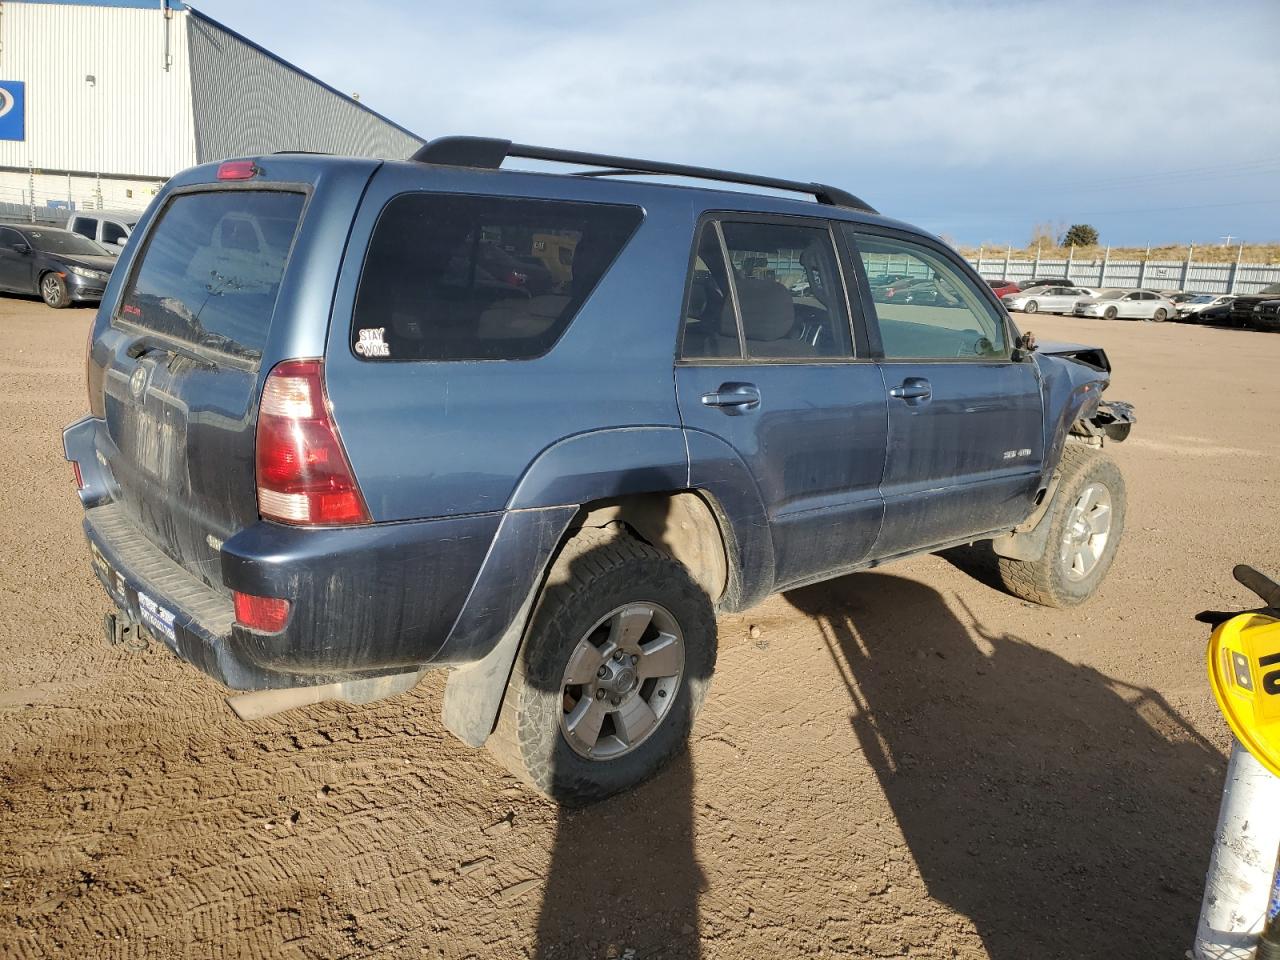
{"points": [[1226, 241]]}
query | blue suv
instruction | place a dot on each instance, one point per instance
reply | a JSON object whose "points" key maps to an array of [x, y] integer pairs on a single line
{"points": [[351, 420]]}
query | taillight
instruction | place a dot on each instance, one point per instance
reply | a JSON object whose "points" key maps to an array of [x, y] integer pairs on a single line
{"points": [[238, 170], [266, 614], [79, 477], [303, 473]]}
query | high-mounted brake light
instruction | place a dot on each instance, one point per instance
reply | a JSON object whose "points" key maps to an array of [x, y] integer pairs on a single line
{"points": [[266, 614], [238, 170], [303, 473]]}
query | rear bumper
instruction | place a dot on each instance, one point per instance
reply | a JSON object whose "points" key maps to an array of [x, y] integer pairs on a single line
{"points": [[365, 601]]}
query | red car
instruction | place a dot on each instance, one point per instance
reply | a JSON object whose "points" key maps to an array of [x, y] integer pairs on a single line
{"points": [[1003, 288]]}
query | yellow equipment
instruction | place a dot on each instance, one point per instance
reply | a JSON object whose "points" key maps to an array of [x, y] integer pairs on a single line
{"points": [[1244, 671]]}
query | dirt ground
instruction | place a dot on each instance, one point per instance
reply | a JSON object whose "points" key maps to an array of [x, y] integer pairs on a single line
{"points": [[902, 763]]}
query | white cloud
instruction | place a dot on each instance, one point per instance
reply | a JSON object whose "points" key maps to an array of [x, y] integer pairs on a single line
{"points": [[825, 90]]}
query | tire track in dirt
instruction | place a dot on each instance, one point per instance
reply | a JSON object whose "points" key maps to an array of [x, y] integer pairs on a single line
{"points": [[906, 762]]}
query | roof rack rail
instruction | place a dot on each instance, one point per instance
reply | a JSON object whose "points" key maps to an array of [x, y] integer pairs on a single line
{"points": [[488, 153]]}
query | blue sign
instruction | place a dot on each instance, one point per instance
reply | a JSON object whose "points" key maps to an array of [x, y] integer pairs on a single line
{"points": [[13, 110]]}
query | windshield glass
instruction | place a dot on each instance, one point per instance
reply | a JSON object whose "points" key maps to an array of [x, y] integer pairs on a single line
{"points": [[1110, 294], [64, 241], [1271, 288], [1202, 298], [212, 268]]}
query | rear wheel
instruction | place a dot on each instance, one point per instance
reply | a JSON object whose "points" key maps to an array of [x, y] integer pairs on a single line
{"points": [[1031, 307], [615, 666], [53, 291], [1160, 315], [1110, 313], [1086, 522]]}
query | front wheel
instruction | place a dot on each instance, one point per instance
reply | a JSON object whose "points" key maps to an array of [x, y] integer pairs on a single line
{"points": [[1110, 313], [615, 665], [53, 291], [1086, 521], [1031, 307]]}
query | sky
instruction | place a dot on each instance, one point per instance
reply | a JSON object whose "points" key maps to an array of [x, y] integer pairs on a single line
{"points": [[1156, 122]]}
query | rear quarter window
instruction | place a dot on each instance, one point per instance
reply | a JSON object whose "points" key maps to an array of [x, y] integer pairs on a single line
{"points": [[454, 277], [211, 269]]}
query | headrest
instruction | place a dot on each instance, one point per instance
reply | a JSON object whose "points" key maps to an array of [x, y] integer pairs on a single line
{"points": [[768, 312]]}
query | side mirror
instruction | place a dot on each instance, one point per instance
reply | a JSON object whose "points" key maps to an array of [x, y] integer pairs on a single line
{"points": [[21, 248], [1024, 347]]}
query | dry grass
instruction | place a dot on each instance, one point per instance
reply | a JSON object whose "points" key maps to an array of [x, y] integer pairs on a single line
{"points": [[1268, 253]]}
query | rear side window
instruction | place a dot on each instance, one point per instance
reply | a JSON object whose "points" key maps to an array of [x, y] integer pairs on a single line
{"points": [[212, 267], [451, 277], [85, 227]]}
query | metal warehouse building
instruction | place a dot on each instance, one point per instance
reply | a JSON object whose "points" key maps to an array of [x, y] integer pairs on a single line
{"points": [[102, 100]]}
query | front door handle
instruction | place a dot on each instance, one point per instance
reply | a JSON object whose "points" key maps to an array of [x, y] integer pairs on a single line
{"points": [[913, 389], [735, 397]]}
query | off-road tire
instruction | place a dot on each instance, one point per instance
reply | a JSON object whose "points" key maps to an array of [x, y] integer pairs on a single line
{"points": [[1031, 307], [53, 291], [1044, 581], [597, 571], [1110, 313]]}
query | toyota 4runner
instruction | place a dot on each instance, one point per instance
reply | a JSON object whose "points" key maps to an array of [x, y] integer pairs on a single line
{"points": [[351, 420]]}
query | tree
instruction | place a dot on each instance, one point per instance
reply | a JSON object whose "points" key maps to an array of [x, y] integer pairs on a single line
{"points": [[1080, 235]]}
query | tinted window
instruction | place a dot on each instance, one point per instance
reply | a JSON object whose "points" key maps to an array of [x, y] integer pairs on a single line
{"points": [[212, 268], [450, 277], [939, 318], [789, 293], [10, 237], [84, 226], [710, 324], [112, 232]]}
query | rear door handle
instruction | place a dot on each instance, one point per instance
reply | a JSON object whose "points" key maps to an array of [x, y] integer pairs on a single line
{"points": [[734, 396], [913, 388]]}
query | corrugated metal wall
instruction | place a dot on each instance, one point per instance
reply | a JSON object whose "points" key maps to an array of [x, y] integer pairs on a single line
{"points": [[1153, 275], [247, 103], [133, 119]]}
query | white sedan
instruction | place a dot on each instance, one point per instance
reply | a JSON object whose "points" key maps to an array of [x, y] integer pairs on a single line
{"points": [[1129, 304], [1046, 299]]}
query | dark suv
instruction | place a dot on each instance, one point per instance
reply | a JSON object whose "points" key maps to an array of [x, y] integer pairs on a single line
{"points": [[342, 432]]}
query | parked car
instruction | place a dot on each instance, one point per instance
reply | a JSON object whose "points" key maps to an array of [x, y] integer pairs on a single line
{"points": [[1219, 315], [1127, 304], [1047, 299], [112, 230], [1266, 315], [57, 265], [1047, 282], [304, 475], [1242, 313], [1199, 302], [1002, 288]]}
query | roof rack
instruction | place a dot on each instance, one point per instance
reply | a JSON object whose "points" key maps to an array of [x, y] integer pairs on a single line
{"points": [[488, 153]]}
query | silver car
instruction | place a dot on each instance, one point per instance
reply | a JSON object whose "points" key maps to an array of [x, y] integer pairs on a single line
{"points": [[1046, 299], [1202, 301], [1128, 304]]}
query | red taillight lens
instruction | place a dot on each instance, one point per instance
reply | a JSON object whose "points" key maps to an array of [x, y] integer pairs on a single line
{"points": [[238, 170], [303, 473], [266, 614], [79, 479]]}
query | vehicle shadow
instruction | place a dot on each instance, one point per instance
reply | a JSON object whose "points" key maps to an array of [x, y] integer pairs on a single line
{"points": [[624, 880], [1065, 813]]}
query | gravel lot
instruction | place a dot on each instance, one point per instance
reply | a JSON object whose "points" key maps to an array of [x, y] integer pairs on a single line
{"points": [[902, 763]]}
